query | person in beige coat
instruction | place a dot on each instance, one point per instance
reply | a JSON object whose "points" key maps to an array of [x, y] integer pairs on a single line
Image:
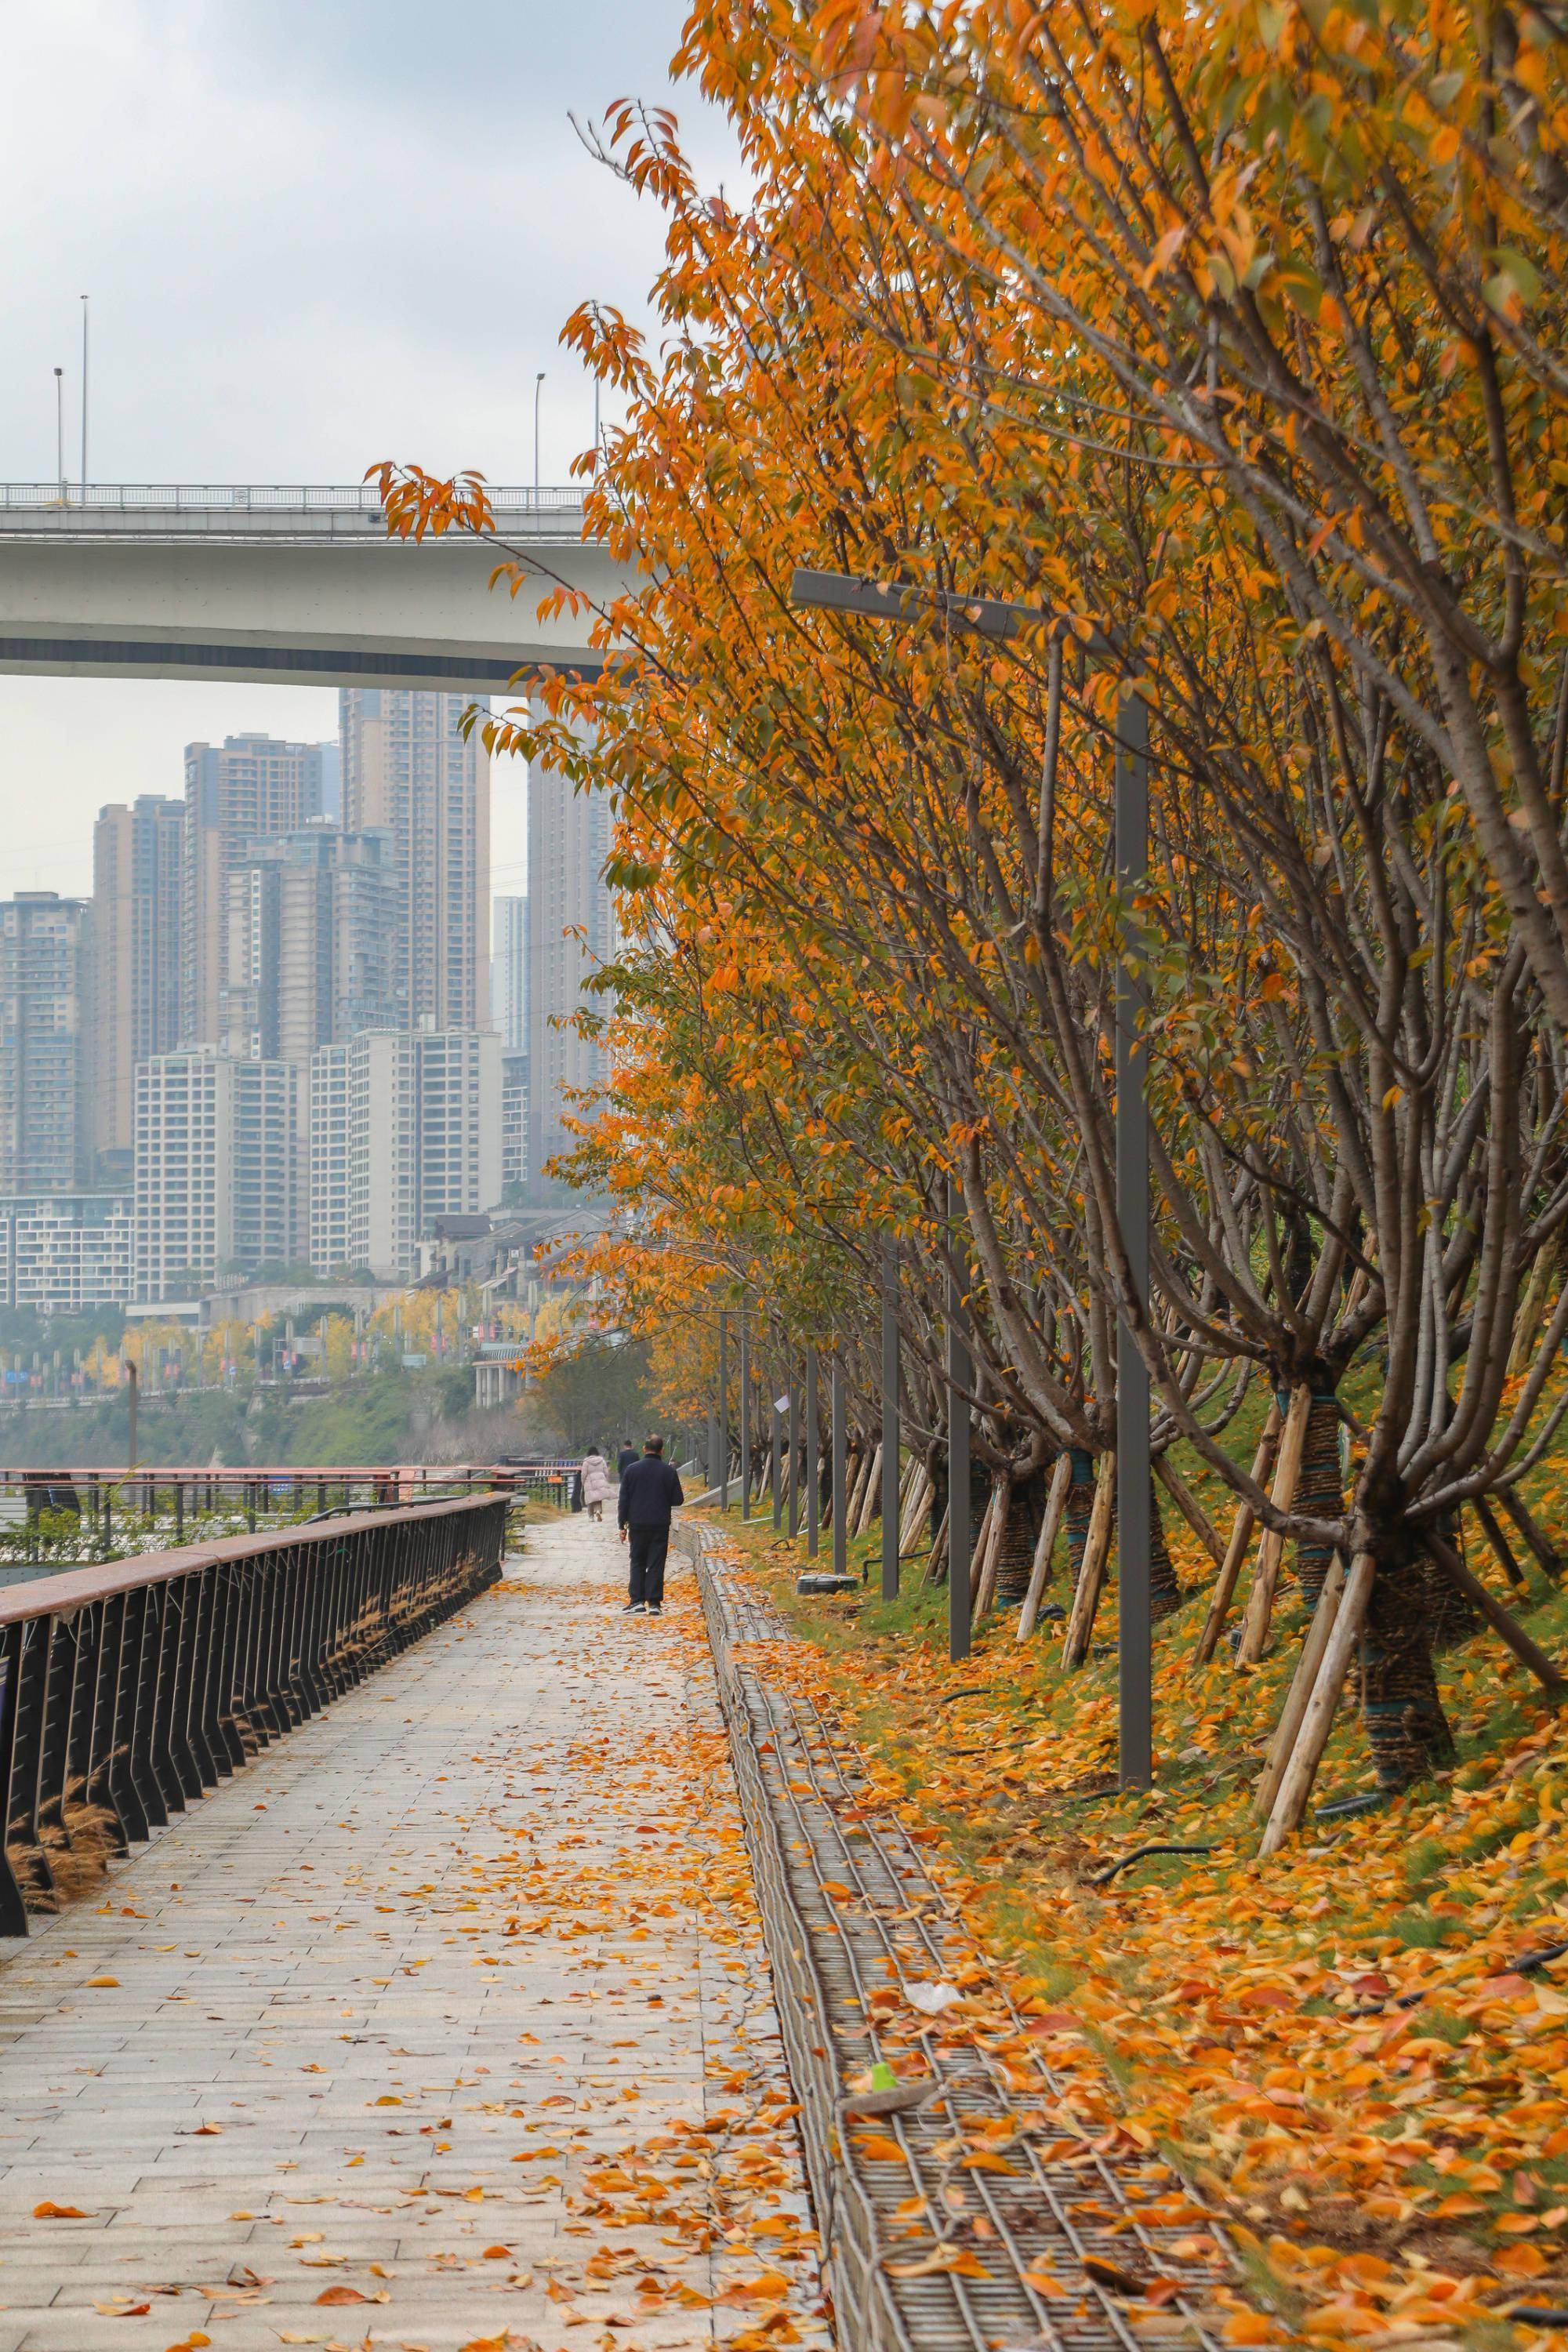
{"points": [[596, 1477]]}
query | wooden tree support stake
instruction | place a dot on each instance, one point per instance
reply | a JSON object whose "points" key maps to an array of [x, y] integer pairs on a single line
{"points": [[988, 1551], [1039, 1575], [1271, 1551], [1314, 1643], [859, 1520], [1547, 1556], [1091, 1573], [1529, 1654], [1318, 1716], [1235, 1551]]}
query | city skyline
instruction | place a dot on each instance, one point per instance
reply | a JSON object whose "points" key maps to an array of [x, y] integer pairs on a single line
{"points": [[289, 1024]]}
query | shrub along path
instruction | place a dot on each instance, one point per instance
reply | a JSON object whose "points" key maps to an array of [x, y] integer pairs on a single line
{"points": [[448, 2017]]}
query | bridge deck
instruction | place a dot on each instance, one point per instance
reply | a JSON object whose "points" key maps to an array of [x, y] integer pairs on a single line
{"points": [[489, 1905]]}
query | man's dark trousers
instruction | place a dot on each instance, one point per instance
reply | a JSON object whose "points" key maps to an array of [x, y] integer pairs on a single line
{"points": [[647, 1547]]}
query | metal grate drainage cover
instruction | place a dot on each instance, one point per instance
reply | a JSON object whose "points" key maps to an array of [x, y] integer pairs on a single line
{"points": [[849, 1910]]}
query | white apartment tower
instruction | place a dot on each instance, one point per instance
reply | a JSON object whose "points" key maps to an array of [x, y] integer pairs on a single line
{"points": [[407, 767], [459, 1077], [403, 1130], [137, 860], [217, 1158], [46, 1066], [245, 790], [571, 934], [363, 1159]]}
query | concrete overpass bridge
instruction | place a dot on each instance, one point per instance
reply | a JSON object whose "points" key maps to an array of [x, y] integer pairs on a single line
{"points": [[295, 584]]}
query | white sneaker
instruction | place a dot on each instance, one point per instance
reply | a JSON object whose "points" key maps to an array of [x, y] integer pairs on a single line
{"points": [[634, 1609]]}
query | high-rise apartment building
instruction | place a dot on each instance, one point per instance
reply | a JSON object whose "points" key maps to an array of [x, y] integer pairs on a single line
{"points": [[407, 766], [218, 1162], [245, 790], [45, 1072], [310, 950], [403, 1130], [571, 934], [65, 1253], [509, 973], [138, 857], [458, 1112], [364, 1204]]}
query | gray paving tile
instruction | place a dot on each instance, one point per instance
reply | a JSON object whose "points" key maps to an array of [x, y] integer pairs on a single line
{"points": [[339, 2002]]}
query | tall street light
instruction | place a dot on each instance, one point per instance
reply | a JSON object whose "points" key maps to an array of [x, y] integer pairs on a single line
{"points": [[836, 592], [538, 382], [61, 431]]}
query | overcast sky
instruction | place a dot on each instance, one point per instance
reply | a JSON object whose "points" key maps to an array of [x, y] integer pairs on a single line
{"points": [[316, 233]]}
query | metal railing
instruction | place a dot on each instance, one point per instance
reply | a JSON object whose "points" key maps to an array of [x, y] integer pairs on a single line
{"points": [[271, 497], [127, 1691]]}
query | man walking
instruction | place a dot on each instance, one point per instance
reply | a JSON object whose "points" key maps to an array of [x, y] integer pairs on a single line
{"points": [[650, 1490]]}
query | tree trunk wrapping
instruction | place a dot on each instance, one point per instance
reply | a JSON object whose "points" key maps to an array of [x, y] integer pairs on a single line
{"points": [[1406, 1728], [1320, 1493], [1015, 1556]]}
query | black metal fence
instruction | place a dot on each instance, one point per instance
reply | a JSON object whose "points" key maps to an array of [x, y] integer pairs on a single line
{"points": [[127, 1690]]}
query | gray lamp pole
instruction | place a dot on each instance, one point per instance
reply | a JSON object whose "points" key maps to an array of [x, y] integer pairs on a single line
{"points": [[837, 592], [793, 1457], [61, 430], [723, 1480], [745, 1421], [538, 381], [813, 1468], [960, 1372], [85, 303], [840, 1504], [775, 1464], [890, 1419]]}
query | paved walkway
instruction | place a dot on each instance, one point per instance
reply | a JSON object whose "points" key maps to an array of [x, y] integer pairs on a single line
{"points": [[447, 2017]]}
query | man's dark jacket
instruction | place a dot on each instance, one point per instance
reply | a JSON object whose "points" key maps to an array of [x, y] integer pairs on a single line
{"points": [[650, 1490], [628, 1454]]}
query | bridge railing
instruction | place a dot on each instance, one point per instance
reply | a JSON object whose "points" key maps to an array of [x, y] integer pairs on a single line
{"points": [[262, 497], [126, 1691]]}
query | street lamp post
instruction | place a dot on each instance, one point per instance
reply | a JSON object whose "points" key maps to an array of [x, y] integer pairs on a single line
{"points": [[61, 430], [745, 1421], [836, 592], [813, 1449], [793, 1455], [538, 381], [890, 1419], [836, 1440], [723, 1411], [960, 1373]]}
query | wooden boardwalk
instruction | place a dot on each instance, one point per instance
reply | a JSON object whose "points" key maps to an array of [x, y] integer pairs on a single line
{"points": [[447, 2017]]}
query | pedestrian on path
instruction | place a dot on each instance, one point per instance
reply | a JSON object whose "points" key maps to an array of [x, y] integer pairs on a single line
{"points": [[628, 1454], [650, 1491], [596, 1477]]}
